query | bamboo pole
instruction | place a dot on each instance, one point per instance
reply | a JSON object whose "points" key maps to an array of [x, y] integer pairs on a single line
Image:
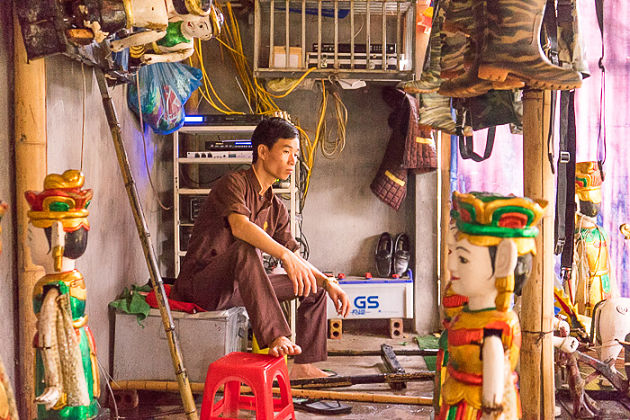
{"points": [[445, 209], [30, 170], [537, 380], [197, 388], [398, 352], [149, 254]]}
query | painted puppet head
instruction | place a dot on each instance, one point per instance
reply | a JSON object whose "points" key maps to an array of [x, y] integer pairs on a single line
{"points": [[494, 244], [588, 188], [61, 208]]}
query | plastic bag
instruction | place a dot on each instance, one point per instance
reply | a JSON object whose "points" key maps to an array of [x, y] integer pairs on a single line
{"points": [[164, 89]]}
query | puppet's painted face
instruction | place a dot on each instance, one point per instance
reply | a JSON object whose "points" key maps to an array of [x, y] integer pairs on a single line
{"points": [[471, 269], [197, 27], [40, 250]]}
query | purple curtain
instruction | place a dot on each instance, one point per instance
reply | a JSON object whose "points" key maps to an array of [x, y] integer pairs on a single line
{"points": [[503, 171]]}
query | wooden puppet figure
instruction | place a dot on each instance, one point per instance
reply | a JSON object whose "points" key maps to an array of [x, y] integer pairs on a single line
{"points": [[8, 409], [105, 17], [177, 43], [491, 259], [592, 270], [66, 371], [452, 304]]}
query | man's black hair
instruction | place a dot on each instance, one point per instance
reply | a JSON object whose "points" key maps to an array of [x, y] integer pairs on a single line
{"points": [[269, 131]]}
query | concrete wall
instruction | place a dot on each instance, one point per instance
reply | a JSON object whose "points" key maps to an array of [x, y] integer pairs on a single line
{"points": [[114, 257], [7, 181], [342, 218]]}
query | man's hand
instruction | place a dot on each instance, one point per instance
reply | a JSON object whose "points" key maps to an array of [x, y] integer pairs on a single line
{"points": [[339, 298], [300, 273]]}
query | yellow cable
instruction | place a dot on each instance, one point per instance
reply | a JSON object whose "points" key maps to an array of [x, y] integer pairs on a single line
{"points": [[293, 86]]}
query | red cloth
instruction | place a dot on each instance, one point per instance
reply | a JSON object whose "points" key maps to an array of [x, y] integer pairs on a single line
{"points": [[175, 305]]}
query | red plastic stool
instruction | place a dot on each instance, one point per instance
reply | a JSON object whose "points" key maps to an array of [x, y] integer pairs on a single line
{"points": [[256, 370]]}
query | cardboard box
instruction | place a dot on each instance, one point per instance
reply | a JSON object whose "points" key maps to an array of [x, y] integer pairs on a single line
{"points": [[376, 298], [143, 353], [279, 59]]}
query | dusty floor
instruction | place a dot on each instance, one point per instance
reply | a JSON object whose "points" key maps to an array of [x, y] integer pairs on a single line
{"points": [[167, 406]]}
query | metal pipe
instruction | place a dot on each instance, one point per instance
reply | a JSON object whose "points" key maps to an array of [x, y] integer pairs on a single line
{"points": [[384, 37], [149, 253], [272, 8], [286, 35], [367, 35], [303, 52], [336, 8], [352, 34], [399, 35], [319, 34], [257, 26]]}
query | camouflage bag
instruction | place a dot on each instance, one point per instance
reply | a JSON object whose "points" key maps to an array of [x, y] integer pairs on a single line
{"points": [[494, 108], [497, 107]]}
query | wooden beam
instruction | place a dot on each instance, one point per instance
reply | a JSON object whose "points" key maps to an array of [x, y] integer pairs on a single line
{"points": [[30, 170], [537, 367]]}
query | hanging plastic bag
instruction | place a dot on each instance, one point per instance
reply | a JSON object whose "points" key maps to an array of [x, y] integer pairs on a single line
{"points": [[164, 89]]}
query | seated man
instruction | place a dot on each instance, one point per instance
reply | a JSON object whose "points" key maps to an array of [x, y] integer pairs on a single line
{"points": [[240, 219]]}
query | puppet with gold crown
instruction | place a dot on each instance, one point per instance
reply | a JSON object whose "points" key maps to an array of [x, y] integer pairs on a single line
{"points": [[592, 282], [452, 304], [8, 410], [492, 258], [66, 371]]}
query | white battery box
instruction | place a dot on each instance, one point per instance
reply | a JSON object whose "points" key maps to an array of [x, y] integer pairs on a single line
{"points": [[376, 298]]}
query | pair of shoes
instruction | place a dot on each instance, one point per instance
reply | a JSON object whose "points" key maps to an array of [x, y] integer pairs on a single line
{"points": [[392, 255]]}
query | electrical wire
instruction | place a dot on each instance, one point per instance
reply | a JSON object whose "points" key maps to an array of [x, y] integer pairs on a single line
{"points": [[331, 149], [263, 102], [108, 378]]}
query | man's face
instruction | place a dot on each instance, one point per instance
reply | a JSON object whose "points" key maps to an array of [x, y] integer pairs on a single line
{"points": [[280, 160]]}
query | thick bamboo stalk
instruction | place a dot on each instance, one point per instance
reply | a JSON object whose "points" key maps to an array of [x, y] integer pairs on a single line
{"points": [[197, 388], [149, 253], [30, 170], [378, 378], [398, 352], [445, 209], [537, 380]]}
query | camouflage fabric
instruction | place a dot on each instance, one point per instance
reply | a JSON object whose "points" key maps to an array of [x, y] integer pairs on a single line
{"points": [[430, 79], [570, 44], [496, 107], [454, 49], [509, 50], [435, 111], [459, 18]]}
